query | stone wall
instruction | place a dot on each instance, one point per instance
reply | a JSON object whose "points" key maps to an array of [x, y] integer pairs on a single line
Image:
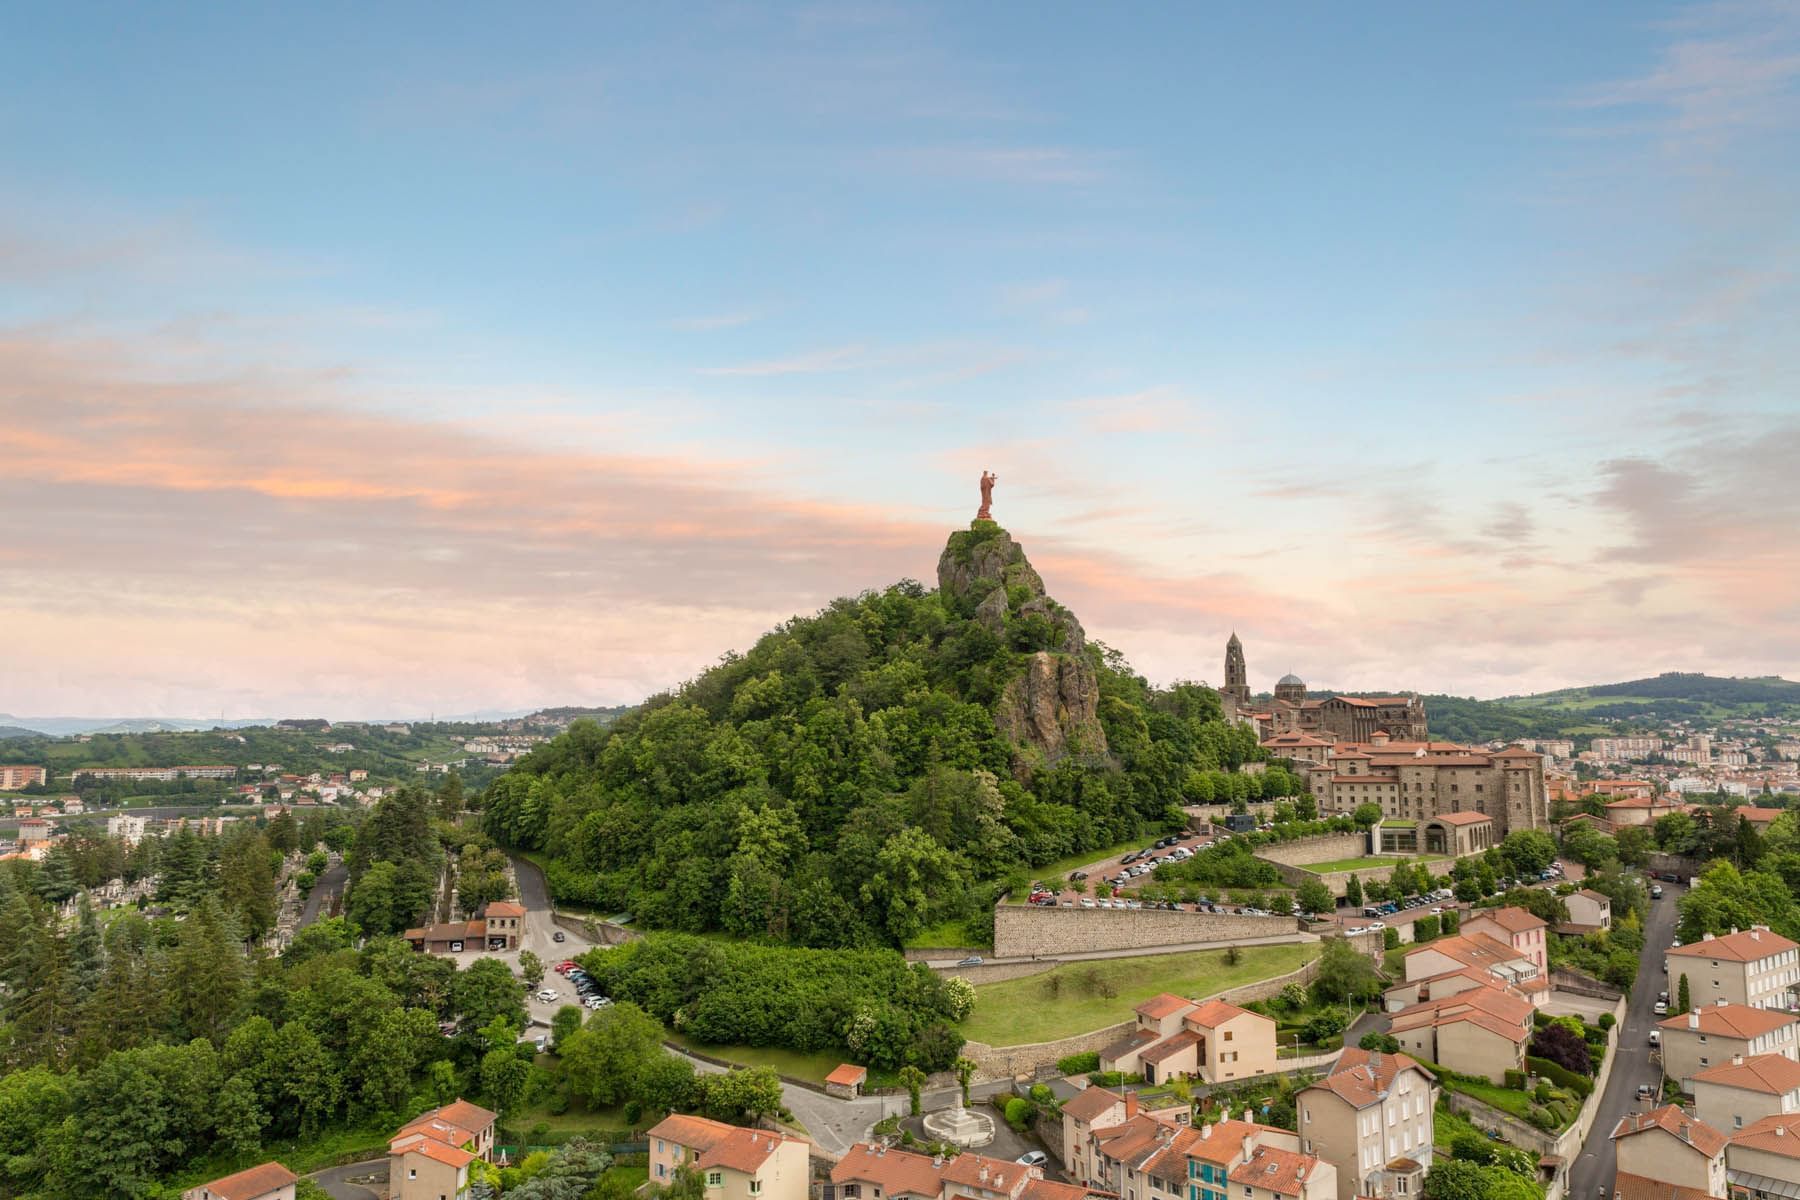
{"points": [[1024, 930], [1326, 847], [1337, 881], [1007, 1062], [1687, 868]]}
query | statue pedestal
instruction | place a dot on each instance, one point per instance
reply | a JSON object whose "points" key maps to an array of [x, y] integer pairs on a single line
{"points": [[960, 1125]]}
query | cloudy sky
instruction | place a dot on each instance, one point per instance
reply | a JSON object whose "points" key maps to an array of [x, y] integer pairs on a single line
{"points": [[381, 360]]}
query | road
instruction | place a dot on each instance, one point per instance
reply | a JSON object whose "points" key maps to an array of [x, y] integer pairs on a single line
{"points": [[1592, 1172], [330, 885], [1280, 939], [354, 1181]]}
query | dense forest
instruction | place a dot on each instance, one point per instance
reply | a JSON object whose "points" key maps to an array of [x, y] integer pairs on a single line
{"points": [[847, 783]]}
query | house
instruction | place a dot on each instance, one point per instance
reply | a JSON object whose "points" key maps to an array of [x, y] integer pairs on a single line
{"points": [[872, 1171], [1762, 1160], [1742, 1091], [498, 926], [1491, 957], [1717, 1033], [1521, 930], [1371, 1119], [1082, 1113], [1752, 966], [33, 829], [1589, 911], [1642, 810], [1482, 1031], [1210, 1040], [1665, 1154], [428, 1159], [733, 1163], [846, 1081], [1271, 1173], [270, 1181], [1155, 1158]]}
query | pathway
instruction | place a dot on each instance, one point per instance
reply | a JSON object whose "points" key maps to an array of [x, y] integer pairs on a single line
{"points": [[1592, 1172], [1279, 939], [354, 1181]]}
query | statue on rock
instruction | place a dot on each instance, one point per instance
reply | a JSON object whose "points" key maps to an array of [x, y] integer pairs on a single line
{"points": [[985, 512]]}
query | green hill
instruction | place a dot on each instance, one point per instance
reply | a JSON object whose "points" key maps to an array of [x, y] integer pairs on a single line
{"points": [[1674, 696], [873, 769]]}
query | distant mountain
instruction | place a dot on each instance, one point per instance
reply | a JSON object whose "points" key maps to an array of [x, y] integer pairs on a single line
{"points": [[1575, 712], [13, 731], [66, 726]]}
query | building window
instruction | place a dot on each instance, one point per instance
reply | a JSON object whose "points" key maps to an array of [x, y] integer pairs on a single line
{"points": [[756, 1187], [412, 1172], [715, 1178]]}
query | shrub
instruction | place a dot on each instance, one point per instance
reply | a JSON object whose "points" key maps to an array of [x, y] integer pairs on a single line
{"points": [[1387, 1043], [1079, 1064], [1515, 1082], [1019, 1112], [1561, 1076], [1607, 1021], [1564, 1047], [1390, 938]]}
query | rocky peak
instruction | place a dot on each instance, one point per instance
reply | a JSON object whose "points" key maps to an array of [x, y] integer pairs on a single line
{"points": [[1051, 708]]}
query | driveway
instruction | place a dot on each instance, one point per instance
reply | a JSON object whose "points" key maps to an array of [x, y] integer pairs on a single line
{"points": [[1592, 1171], [325, 892], [354, 1181]]}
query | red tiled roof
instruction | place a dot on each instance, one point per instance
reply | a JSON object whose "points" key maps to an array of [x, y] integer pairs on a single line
{"points": [[1090, 1103], [1627, 1186], [1223, 1141], [1047, 1189], [1215, 1013], [1677, 1124], [1461, 818], [968, 1170], [1731, 1020], [450, 1156], [847, 1075], [1779, 1134], [1746, 945], [1280, 1171], [247, 1185], [1175, 1045], [1511, 918], [1771, 1073], [1165, 1005], [1492, 1007], [1362, 1076], [504, 908], [741, 1150], [897, 1172]]}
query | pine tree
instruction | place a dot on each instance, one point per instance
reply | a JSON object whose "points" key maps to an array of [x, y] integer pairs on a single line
{"points": [[86, 955]]}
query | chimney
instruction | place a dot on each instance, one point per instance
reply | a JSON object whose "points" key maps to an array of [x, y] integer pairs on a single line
{"points": [[1756, 933], [1781, 1131], [1205, 1131], [1249, 1146], [1130, 1105], [1684, 1132], [1707, 937], [1737, 1060], [983, 1173], [937, 1160]]}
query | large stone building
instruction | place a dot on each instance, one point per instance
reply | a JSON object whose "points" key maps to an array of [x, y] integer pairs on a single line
{"points": [[1417, 781], [1343, 718]]}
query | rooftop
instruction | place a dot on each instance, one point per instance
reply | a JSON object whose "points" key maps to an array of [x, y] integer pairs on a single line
{"points": [[1779, 1134], [1770, 1073], [1744, 945], [1091, 1102], [1729, 1020], [1165, 1005], [1674, 1122], [1512, 919], [1280, 1171], [1363, 1077], [247, 1185]]}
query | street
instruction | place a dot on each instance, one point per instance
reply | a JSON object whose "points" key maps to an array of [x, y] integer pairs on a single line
{"points": [[1592, 1173]]}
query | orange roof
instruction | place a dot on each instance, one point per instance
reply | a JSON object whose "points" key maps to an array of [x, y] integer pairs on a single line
{"points": [[1771, 1073], [1223, 1141], [847, 1075], [741, 1150], [1746, 945], [980, 1171], [1215, 1013], [247, 1185], [450, 1156], [1461, 818], [1047, 1189], [897, 1172], [1758, 816], [1090, 1103], [1363, 1076], [1472, 950], [1280, 1171], [1627, 1186], [453, 1124], [1779, 1134], [1135, 1140], [1511, 918], [1518, 752], [1675, 1123], [1731, 1020], [504, 908], [696, 1133], [1492, 1007], [1165, 1005], [1171, 1047]]}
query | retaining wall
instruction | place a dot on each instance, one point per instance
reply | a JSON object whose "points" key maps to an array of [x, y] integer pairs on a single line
{"points": [[1338, 880], [1024, 930], [1324, 847]]}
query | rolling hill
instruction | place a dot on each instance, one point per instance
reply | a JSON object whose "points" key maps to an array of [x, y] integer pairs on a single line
{"points": [[1674, 696]]}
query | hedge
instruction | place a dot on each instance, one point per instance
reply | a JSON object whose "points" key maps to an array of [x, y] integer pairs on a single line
{"points": [[1560, 1075], [1079, 1064]]}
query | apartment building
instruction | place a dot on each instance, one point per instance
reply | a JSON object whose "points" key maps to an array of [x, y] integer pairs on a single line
{"points": [[428, 1159], [873, 1171], [156, 774], [1665, 1154], [1472, 956], [268, 1181], [1213, 1041], [1090, 1109], [1482, 1031], [1705, 1037], [1371, 1119], [14, 776], [1525, 933], [1752, 966], [1271, 1173], [733, 1163], [1743, 1091], [1762, 1160]]}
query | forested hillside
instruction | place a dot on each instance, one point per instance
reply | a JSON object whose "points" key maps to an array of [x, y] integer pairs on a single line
{"points": [[872, 769], [1675, 696]]}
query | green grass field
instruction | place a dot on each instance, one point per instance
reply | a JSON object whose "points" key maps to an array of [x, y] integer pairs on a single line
{"points": [[948, 935], [811, 1067], [1365, 863], [1072, 998]]}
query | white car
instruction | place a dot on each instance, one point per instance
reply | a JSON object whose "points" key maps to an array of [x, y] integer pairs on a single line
{"points": [[1378, 925], [1354, 930], [1661, 1009], [546, 996]]}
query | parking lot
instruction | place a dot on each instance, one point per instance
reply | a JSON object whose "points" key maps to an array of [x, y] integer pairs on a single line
{"points": [[1126, 872]]}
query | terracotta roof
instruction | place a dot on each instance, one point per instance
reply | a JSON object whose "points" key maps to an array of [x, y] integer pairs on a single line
{"points": [[1518, 752], [419, 1143], [1135, 1040], [1134, 1141], [1779, 1134], [1746, 945], [1048, 1189], [1461, 818], [1497, 1009], [1591, 894], [1471, 950], [1627, 1186], [1281, 1171], [897, 1172], [1175, 1045], [1362, 1077], [1223, 1141], [1215, 1013], [504, 908], [1090, 1102], [1511, 918], [1758, 816], [247, 1185], [453, 1124], [1731, 1020], [741, 1150], [1771, 1073], [967, 1169], [847, 1074], [698, 1134], [1165, 1005], [1674, 1122]]}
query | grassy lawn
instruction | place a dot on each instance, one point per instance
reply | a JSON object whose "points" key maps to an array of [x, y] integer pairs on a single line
{"points": [[1504, 1099], [810, 1067], [1367, 864], [948, 935], [1447, 1124], [577, 1119], [634, 1177], [300, 1156], [1073, 998]]}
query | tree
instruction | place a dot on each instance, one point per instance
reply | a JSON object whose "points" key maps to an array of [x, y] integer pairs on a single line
{"points": [[667, 1084], [1684, 1000], [1528, 851], [604, 1060], [1366, 815], [239, 1117], [1314, 897], [913, 1080], [531, 967], [567, 1020], [743, 1094], [1353, 892], [504, 1074], [1386, 1043], [1454, 1179], [485, 990], [1345, 973], [1633, 844], [965, 1069], [1564, 1047]]}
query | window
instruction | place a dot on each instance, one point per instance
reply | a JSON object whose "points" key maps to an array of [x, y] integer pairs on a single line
{"points": [[1400, 1185], [1228, 1035], [662, 1171], [715, 1178], [756, 1187], [412, 1172]]}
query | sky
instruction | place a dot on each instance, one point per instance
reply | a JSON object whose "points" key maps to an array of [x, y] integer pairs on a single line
{"points": [[385, 360]]}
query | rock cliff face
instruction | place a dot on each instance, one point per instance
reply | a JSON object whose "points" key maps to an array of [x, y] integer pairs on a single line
{"points": [[1051, 708]]}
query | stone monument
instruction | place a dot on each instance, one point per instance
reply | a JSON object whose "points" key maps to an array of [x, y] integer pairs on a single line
{"points": [[985, 512]]}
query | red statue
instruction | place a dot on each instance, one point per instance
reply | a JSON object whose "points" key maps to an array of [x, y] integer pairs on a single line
{"points": [[988, 480]]}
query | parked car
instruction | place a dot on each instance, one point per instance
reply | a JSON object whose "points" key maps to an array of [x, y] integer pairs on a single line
{"points": [[1645, 1091], [546, 995], [558, 936], [1378, 925], [1656, 1037], [1034, 1158], [1656, 892], [1078, 876], [974, 960], [1661, 1009]]}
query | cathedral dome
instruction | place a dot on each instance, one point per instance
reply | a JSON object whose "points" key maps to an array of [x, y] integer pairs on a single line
{"points": [[1290, 681]]}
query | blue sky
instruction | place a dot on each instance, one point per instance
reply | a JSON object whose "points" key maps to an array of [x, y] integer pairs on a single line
{"points": [[1428, 347]]}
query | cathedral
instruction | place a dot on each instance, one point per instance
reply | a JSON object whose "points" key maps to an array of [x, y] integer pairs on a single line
{"points": [[1333, 718]]}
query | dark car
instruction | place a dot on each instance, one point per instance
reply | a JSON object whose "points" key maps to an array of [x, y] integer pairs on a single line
{"points": [[558, 936], [1131, 858], [1078, 876]]}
